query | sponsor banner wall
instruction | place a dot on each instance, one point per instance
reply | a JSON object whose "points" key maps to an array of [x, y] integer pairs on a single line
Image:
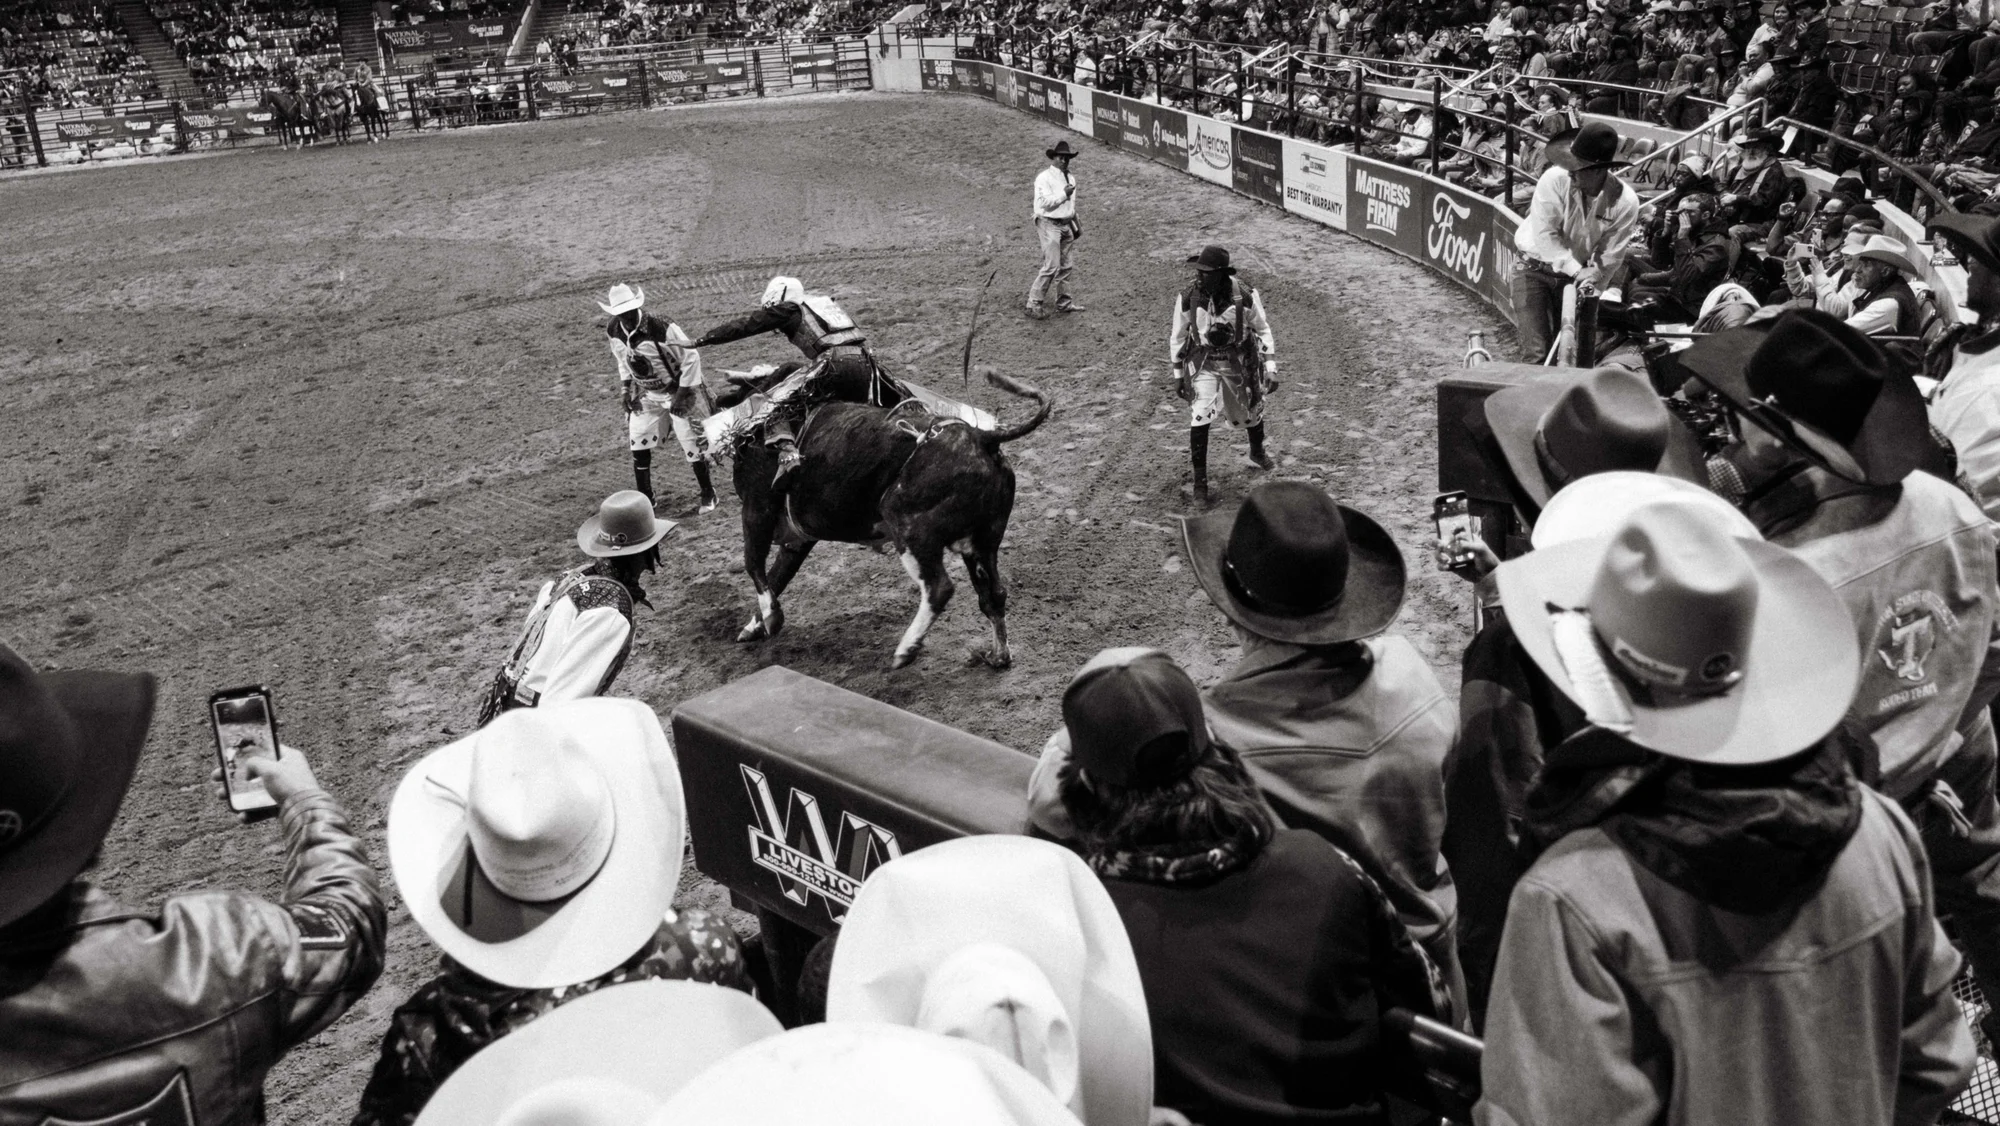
{"points": [[1058, 108], [1383, 205], [700, 74], [1258, 169], [1170, 137], [935, 74], [448, 35], [1135, 127], [234, 122], [1105, 121], [1316, 183], [806, 62], [588, 85], [1462, 243], [109, 128], [1211, 150], [1037, 98], [1081, 98]]}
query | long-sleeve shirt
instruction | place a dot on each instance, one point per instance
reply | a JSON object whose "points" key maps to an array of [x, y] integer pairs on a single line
{"points": [[575, 642], [1570, 232], [1195, 315], [1050, 200]]}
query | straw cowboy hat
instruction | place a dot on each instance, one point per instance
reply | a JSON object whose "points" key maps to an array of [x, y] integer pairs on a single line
{"points": [[1685, 639], [623, 299], [543, 849], [863, 1074], [1591, 145], [69, 742], [1554, 430], [1969, 236], [1591, 506], [624, 525], [1074, 1013], [609, 1057], [1294, 566], [1882, 248], [1827, 391]]}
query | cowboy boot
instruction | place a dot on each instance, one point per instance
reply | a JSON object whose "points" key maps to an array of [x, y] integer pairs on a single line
{"points": [[1258, 457], [701, 477], [1198, 456], [642, 472]]}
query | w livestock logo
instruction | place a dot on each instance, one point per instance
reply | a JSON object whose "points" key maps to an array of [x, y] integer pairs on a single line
{"points": [[1449, 246], [807, 859]]}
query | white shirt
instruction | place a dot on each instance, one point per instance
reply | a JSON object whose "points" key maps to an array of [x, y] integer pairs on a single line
{"points": [[1569, 233], [1050, 202], [1966, 409], [565, 654]]}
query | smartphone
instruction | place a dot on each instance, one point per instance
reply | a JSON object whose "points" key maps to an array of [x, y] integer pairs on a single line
{"points": [[245, 727], [1455, 521]]}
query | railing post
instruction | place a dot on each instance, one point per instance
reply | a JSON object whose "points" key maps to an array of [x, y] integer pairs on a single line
{"points": [[1437, 121], [1507, 127], [34, 130], [1292, 97], [645, 88], [534, 105]]}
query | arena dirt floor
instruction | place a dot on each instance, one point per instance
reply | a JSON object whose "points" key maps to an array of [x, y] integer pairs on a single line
{"points": [[325, 420]]}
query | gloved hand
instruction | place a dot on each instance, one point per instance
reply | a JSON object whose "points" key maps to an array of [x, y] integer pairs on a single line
{"points": [[1183, 386], [1270, 376], [630, 397]]}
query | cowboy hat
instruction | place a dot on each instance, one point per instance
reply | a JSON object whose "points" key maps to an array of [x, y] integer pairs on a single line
{"points": [[1212, 258], [543, 849], [1558, 428], [638, 1043], [1882, 248], [1591, 506], [1969, 236], [1756, 138], [1039, 900], [624, 525], [69, 742], [1061, 148], [1824, 389], [1591, 145], [623, 299], [1687, 640], [861, 1074], [1293, 566]]}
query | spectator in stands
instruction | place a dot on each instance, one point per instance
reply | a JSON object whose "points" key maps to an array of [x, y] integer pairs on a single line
{"points": [[502, 845], [112, 1013], [1689, 177], [1700, 262], [1757, 186], [1753, 78], [1966, 405], [1268, 955], [1343, 728], [1012, 943], [1815, 101], [1940, 30], [1882, 303], [1710, 801], [1578, 228]]}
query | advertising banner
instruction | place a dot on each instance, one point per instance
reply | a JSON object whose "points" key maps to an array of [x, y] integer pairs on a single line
{"points": [[1057, 110], [586, 86], [108, 128], [1316, 183], [1105, 122], [445, 35], [1002, 89], [1458, 235], [1258, 170], [1383, 205], [1081, 98], [227, 122], [1135, 127], [1211, 150], [809, 63], [935, 74], [701, 74], [1037, 100], [1170, 137], [989, 79]]}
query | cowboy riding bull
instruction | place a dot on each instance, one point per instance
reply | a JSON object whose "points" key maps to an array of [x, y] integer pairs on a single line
{"points": [[863, 457]]}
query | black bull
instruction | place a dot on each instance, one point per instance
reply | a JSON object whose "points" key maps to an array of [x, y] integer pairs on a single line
{"points": [[863, 478]]}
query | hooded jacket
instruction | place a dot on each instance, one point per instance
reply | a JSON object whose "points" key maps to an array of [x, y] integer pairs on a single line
{"points": [[1751, 945]]}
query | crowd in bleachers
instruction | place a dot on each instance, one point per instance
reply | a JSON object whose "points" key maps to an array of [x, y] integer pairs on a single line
{"points": [[234, 47], [66, 53], [409, 13]]}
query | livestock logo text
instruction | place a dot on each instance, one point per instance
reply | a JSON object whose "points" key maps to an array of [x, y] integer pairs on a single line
{"points": [[808, 860]]}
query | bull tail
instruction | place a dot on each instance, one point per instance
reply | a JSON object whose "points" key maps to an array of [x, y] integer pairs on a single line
{"points": [[972, 330], [1044, 403]]}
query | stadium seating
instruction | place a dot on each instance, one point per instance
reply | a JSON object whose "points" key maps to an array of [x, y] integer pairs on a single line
{"points": [[72, 53], [235, 47]]}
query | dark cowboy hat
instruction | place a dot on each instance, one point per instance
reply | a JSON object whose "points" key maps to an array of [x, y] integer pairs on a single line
{"points": [[1825, 390], [1294, 566], [1757, 138], [1969, 236], [1212, 258], [1061, 148], [69, 742], [1592, 145], [1553, 430]]}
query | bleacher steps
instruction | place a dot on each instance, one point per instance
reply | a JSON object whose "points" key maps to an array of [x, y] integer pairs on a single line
{"points": [[151, 42], [357, 34]]}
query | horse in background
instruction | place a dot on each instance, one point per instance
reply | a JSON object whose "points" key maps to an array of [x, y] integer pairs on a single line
{"points": [[290, 116], [334, 110], [368, 103]]}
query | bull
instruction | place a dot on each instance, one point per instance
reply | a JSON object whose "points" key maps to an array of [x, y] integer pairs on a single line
{"points": [[885, 476]]}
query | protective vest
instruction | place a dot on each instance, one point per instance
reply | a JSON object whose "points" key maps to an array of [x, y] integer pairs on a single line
{"points": [[517, 685], [1225, 332], [828, 323]]}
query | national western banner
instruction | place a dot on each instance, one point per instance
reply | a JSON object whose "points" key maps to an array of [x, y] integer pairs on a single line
{"points": [[448, 35], [1259, 168], [1316, 183], [1211, 150], [701, 74], [1384, 205], [109, 128], [586, 86]]}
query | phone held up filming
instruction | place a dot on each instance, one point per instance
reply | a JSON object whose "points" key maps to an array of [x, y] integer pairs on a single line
{"points": [[1456, 528], [245, 728]]}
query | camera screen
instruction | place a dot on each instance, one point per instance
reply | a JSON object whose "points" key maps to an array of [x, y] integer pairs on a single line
{"points": [[243, 730]]}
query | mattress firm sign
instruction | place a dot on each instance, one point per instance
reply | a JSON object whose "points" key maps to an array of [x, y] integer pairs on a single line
{"points": [[1382, 206], [1211, 150], [1316, 183]]}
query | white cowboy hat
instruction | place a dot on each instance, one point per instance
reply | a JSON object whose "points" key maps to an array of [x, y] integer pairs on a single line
{"points": [[612, 1056], [543, 849], [623, 299], [1592, 506], [1882, 248], [1686, 640], [860, 1074], [783, 291], [1037, 899]]}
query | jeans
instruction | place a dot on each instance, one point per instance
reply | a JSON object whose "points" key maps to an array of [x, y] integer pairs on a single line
{"points": [[1056, 243], [1538, 303], [1965, 871]]}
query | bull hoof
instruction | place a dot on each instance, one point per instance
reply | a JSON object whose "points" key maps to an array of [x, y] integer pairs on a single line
{"points": [[903, 657], [991, 659], [774, 621], [752, 632]]}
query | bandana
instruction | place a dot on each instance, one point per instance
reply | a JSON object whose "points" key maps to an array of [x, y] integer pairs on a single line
{"points": [[1182, 862]]}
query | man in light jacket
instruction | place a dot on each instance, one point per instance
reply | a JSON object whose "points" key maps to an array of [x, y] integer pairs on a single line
{"points": [[1578, 229]]}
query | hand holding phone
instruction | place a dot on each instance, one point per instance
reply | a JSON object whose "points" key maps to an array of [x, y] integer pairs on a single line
{"points": [[1456, 529], [245, 729]]}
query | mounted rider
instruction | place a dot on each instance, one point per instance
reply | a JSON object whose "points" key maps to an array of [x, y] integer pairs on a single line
{"points": [[1223, 357], [839, 364], [659, 375]]}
